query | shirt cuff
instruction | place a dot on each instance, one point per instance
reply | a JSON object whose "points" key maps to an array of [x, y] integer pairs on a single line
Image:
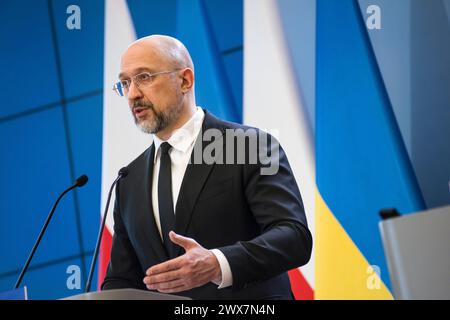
{"points": [[227, 276]]}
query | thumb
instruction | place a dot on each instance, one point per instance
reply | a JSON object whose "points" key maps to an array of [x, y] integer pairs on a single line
{"points": [[185, 242]]}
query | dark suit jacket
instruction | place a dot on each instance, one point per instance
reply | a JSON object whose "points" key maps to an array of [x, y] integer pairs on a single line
{"points": [[257, 221]]}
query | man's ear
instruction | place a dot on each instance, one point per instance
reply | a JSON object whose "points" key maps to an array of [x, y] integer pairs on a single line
{"points": [[187, 76]]}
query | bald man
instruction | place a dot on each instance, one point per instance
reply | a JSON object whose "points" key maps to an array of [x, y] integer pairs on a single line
{"points": [[191, 226]]}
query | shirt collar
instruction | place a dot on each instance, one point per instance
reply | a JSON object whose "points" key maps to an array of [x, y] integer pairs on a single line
{"points": [[182, 138]]}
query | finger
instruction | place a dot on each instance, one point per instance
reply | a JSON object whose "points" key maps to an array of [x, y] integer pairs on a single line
{"points": [[185, 242], [166, 266], [166, 285], [174, 290], [162, 277]]}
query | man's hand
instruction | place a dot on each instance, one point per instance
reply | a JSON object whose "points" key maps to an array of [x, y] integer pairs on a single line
{"points": [[195, 268]]}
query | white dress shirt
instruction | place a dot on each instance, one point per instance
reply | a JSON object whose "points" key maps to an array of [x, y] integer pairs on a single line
{"points": [[182, 142]]}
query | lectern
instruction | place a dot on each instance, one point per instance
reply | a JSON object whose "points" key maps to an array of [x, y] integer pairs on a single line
{"points": [[125, 294], [417, 249]]}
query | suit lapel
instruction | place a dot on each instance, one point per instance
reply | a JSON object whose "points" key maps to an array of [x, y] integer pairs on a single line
{"points": [[194, 179]]}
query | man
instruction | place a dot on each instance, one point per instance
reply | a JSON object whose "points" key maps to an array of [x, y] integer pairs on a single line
{"points": [[206, 230]]}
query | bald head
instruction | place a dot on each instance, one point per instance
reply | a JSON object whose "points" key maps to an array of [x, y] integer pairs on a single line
{"points": [[166, 51]]}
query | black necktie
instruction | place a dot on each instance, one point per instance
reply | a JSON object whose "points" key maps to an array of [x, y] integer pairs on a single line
{"points": [[165, 200]]}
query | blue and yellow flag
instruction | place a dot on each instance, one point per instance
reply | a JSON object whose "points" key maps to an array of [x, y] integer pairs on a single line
{"points": [[361, 161]]}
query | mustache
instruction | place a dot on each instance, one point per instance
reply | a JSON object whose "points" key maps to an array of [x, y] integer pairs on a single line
{"points": [[142, 104]]}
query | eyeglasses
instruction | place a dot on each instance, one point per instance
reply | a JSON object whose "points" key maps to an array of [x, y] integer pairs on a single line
{"points": [[145, 78]]}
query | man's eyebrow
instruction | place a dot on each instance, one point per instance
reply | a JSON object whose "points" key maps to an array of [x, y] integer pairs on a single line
{"points": [[137, 71]]}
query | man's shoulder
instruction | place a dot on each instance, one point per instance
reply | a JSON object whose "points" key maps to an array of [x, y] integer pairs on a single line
{"points": [[218, 123], [233, 130]]}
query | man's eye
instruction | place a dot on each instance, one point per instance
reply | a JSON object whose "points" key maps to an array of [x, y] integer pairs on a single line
{"points": [[124, 83], [143, 77]]}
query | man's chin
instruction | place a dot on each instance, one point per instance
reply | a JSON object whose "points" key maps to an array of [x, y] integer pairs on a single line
{"points": [[145, 127]]}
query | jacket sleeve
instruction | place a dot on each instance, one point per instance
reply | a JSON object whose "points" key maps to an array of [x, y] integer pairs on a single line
{"points": [[123, 269], [285, 241]]}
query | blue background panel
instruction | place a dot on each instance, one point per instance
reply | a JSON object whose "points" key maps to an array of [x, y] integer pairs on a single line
{"points": [[153, 17], [37, 170], [81, 51], [85, 123], [28, 70], [47, 281], [226, 21]]}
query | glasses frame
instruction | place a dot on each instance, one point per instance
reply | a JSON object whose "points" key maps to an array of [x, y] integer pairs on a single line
{"points": [[121, 93]]}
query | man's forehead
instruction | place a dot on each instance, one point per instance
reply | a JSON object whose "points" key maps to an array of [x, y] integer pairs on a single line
{"points": [[139, 58]]}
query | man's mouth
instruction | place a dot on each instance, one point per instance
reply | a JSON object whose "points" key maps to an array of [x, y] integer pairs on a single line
{"points": [[140, 111]]}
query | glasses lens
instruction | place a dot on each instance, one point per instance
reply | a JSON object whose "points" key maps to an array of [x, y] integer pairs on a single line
{"points": [[143, 78]]}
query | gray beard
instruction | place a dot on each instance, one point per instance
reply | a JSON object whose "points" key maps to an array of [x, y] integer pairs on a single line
{"points": [[160, 121]]}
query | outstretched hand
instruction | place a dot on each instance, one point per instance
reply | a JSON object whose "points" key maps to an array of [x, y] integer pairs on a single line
{"points": [[195, 268]]}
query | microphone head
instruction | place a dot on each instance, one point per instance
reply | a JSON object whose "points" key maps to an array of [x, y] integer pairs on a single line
{"points": [[81, 181], [123, 172]]}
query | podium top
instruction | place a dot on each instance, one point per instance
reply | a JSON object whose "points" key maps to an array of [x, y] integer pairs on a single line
{"points": [[417, 249], [125, 294]]}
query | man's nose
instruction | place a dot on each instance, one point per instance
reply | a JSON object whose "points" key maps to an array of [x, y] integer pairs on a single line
{"points": [[134, 92]]}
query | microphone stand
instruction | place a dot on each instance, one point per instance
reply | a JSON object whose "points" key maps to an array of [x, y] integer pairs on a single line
{"points": [[122, 174], [81, 181]]}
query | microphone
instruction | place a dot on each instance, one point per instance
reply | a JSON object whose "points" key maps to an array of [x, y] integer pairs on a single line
{"points": [[81, 181], [122, 174]]}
